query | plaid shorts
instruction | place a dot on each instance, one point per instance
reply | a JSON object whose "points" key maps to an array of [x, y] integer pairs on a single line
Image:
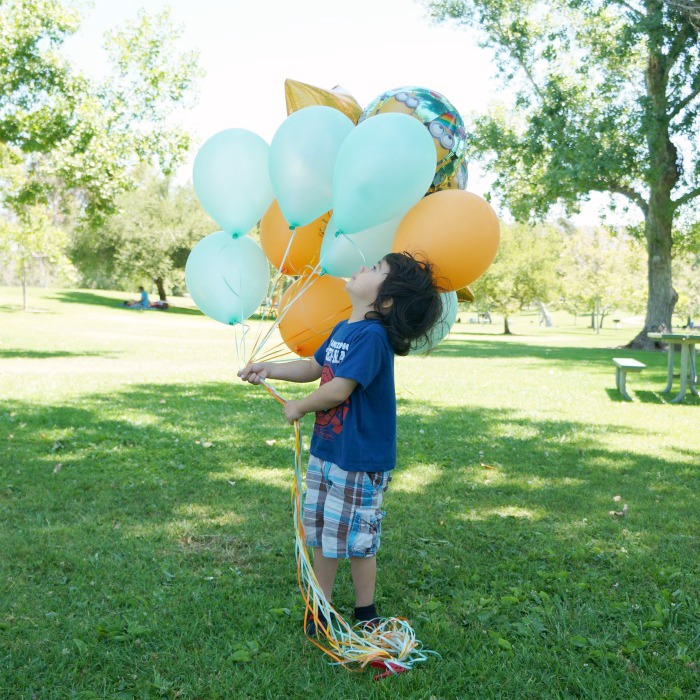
{"points": [[342, 512]]}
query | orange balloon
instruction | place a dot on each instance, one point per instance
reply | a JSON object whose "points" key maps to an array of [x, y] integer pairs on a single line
{"points": [[456, 231], [305, 250], [310, 309]]}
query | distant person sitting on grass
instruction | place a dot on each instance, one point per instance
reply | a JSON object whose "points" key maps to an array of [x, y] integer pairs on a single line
{"points": [[142, 303]]}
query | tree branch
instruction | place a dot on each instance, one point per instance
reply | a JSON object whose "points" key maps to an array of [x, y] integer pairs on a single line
{"points": [[629, 7], [684, 103], [690, 8], [677, 45], [686, 198], [628, 192]]}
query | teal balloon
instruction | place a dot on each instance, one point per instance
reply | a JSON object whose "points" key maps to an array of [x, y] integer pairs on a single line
{"points": [[227, 277], [232, 180], [384, 167], [440, 330], [302, 159], [343, 254]]}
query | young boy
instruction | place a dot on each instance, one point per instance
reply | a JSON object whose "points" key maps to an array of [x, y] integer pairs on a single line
{"points": [[353, 447]]}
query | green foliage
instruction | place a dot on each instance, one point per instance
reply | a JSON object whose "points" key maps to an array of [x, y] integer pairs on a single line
{"points": [[148, 237], [602, 271], [78, 141], [33, 238], [607, 100], [38, 88], [687, 281], [524, 270]]}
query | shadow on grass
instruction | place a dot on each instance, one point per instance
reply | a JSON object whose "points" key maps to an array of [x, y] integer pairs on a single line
{"points": [[199, 436], [97, 299], [52, 354], [482, 348], [645, 396], [639, 396], [165, 507]]}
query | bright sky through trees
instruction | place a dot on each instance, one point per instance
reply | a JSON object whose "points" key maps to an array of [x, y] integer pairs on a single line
{"points": [[248, 49]]}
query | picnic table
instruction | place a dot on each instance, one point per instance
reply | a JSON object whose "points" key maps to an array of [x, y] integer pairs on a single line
{"points": [[689, 374]]}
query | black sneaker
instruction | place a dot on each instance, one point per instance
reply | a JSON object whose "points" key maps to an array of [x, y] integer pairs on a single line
{"points": [[313, 627]]}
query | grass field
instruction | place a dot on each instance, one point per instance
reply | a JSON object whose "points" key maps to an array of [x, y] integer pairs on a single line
{"points": [[147, 532]]}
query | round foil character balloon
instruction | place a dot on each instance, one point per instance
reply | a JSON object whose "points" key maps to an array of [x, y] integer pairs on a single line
{"points": [[456, 182], [438, 115]]}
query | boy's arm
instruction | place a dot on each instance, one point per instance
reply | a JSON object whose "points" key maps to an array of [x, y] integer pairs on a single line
{"points": [[327, 396], [294, 371]]}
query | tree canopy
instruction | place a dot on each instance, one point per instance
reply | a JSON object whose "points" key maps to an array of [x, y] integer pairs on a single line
{"points": [[606, 100], [78, 141], [147, 238]]}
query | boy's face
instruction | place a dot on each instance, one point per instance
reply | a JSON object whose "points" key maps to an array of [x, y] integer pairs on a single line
{"points": [[363, 286]]}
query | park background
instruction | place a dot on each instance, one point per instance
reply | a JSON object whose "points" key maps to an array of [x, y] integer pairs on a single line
{"points": [[145, 512]]}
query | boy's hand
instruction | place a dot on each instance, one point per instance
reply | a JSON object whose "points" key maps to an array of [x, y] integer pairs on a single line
{"points": [[254, 373], [292, 411]]}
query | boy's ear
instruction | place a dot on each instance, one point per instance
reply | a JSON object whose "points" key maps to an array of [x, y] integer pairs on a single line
{"points": [[387, 304]]}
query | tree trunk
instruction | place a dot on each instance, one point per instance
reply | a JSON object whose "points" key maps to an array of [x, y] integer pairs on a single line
{"points": [[658, 219], [161, 289], [662, 296], [544, 315], [24, 287], [506, 327]]}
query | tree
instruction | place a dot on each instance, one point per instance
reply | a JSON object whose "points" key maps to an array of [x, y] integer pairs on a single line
{"points": [[600, 273], [30, 238], [148, 237], [79, 141], [523, 272], [607, 101]]}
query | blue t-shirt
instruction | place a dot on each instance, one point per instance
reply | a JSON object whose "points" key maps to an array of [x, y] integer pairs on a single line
{"points": [[360, 433]]}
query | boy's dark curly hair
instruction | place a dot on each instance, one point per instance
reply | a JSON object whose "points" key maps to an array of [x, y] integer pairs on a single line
{"points": [[408, 302]]}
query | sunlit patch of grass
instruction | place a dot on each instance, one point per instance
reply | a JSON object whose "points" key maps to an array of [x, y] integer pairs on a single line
{"points": [[206, 514], [502, 512], [148, 548], [416, 479]]}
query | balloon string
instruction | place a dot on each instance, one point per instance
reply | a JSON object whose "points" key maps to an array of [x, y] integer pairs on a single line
{"points": [[282, 348], [275, 323], [267, 304], [307, 281], [355, 246], [390, 643]]}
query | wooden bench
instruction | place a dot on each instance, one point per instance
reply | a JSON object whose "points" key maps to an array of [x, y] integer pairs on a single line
{"points": [[624, 365]]}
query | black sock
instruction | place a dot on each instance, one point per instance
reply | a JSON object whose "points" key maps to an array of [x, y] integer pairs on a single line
{"points": [[321, 618], [366, 613]]}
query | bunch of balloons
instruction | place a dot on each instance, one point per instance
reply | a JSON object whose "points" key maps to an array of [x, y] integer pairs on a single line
{"points": [[336, 188]]}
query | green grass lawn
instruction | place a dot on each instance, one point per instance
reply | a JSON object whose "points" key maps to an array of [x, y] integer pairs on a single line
{"points": [[147, 532]]}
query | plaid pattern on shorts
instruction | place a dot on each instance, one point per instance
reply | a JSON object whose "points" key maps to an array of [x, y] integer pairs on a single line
{"points": [[342, 512]]}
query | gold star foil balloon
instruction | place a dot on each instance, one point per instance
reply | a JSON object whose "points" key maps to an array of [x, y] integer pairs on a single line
{"points": [[300, 95]]}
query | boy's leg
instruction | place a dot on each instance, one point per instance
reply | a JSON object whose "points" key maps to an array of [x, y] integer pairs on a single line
{"points": [[364, 577], [325, 569]]}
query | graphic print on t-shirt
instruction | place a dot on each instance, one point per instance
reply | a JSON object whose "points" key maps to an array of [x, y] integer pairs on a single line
{"points": [[333, 418]]}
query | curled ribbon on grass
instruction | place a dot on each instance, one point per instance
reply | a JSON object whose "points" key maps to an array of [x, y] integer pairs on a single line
{"points": [[389, 644]]}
